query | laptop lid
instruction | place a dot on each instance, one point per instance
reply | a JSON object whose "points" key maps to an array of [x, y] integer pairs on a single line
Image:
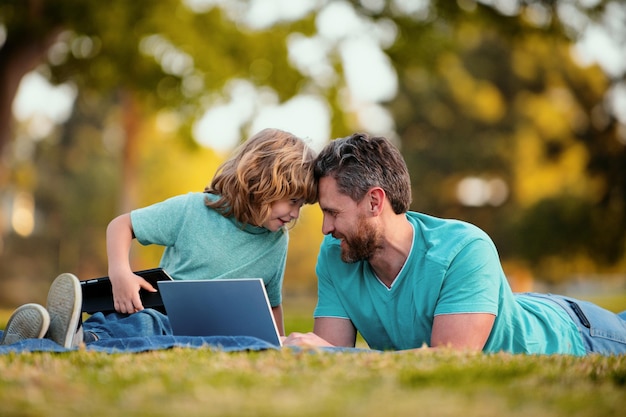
{"points": [[98, 293], [224, 307]]}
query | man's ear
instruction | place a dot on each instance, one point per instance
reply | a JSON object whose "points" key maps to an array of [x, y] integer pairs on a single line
{"points": [[376, 200]]}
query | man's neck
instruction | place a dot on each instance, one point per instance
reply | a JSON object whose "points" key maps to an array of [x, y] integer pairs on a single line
{"points": [[389, 260]]}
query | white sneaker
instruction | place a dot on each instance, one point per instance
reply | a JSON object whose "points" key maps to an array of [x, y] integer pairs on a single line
{"points": [[65, 300], [30, 321]]}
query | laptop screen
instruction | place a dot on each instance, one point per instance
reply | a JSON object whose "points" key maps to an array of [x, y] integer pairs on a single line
{"points": [[228, 307]]}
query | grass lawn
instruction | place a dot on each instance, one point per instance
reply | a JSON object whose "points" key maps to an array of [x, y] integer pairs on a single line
{"points": [[187, 382]]}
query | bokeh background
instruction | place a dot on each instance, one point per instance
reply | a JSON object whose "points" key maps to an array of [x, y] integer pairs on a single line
{"points": [[511, 115]]}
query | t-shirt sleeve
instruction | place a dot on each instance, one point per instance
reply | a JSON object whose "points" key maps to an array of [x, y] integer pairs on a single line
{"points": [[159, 223], [472, 283]]}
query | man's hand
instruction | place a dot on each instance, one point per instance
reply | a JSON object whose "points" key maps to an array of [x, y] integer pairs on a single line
{"points": [[305, 340], [327, 331]]}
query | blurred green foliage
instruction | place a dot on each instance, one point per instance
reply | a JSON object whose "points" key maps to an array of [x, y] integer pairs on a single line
{"points": [[481, 95]]}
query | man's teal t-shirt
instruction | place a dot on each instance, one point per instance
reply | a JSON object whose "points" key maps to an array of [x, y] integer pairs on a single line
{"points": [[453, 268], [200, 243]]}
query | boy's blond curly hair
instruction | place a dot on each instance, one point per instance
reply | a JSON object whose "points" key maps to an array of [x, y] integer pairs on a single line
{"points": [[270, 166]]}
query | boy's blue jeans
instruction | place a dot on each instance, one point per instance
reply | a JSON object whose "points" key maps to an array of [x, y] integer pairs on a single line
{"points": [[602, 331], [146, 322]]}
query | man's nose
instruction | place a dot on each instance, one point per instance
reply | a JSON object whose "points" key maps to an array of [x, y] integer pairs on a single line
{"points": [[327, 225]]}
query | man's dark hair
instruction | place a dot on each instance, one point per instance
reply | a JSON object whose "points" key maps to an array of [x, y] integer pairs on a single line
{"points": [[360, 162]]}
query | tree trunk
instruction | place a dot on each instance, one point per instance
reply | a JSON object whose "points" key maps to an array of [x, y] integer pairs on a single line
{"points": [[131, 120]]}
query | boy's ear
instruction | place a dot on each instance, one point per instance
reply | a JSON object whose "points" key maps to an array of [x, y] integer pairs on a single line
{"points": [[376, 200]]}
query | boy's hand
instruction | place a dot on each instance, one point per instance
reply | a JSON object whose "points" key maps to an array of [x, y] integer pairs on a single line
{"points": [[126, 288]]}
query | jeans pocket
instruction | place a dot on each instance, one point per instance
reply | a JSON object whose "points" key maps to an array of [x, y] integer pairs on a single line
{"points": [[600, 322]]}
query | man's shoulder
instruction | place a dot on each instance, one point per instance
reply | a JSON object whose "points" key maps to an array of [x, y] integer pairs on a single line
{"points": [[442, 239], [433, 225]]}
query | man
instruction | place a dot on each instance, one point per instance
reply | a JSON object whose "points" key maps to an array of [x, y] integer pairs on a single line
{"points": [[405, 280]]}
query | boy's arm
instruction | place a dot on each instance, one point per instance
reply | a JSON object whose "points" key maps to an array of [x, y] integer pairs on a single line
{"points": [[278, 318], [126, 285]]}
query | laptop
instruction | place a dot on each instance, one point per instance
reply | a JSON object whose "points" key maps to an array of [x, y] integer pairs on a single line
{"points": [[98, 293], [222, 307]]}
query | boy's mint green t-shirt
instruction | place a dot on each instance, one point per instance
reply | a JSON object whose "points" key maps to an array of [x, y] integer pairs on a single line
{"points": [[453, 268], [200, 243]]}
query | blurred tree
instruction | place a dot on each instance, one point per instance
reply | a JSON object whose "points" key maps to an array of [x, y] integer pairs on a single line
{"points": [[499, 100], [130, 63], [499, 125]]}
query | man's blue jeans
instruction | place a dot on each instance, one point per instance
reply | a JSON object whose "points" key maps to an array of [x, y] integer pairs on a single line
{"points": [[602, 331]]}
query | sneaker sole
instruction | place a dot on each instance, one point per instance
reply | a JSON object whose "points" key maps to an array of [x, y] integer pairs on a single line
{"points": [[64, 306], [30, 321]]}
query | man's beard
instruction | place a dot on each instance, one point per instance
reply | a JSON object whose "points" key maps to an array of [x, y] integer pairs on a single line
{"points": [[363, 244]]}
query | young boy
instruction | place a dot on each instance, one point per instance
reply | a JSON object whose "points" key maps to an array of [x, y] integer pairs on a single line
{"points": [[238, 227]]}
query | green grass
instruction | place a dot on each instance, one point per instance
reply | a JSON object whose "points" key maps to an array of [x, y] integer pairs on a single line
{"points": [[185, 382], [205, 382]]}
